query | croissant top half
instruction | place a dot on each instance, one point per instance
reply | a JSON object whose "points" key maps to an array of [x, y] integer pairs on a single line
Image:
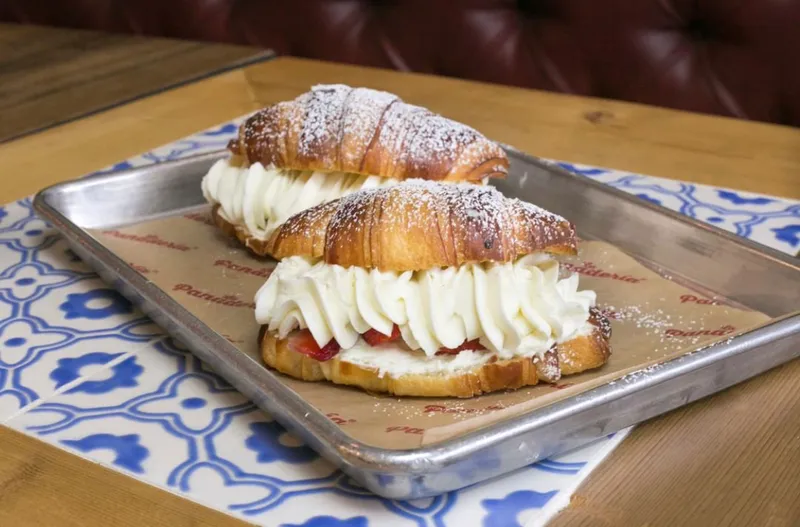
{"points": [[420, 225], [363, 131]]}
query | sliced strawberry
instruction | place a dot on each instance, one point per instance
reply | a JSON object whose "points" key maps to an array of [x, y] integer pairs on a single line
{"points": [[474, 345], [329, 351], [376, 338], [303, 342]]}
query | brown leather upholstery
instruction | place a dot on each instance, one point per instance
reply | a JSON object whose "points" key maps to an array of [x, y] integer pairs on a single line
{"points": [[731, 57]]}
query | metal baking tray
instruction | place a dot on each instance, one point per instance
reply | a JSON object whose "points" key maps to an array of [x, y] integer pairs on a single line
{"points": [[750, 274]]}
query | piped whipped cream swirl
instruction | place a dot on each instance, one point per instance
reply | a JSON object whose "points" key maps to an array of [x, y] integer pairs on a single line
{"points": [[514, 309], [260, 198]]}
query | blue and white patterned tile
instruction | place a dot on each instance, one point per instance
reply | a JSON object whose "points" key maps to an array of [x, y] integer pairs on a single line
{"points": [[138, 447], [59, 256], [30, 280], [191, 404], [29, 233], [37, 278], [213, 139], [256, 441], [731, 200], [80, 368], [783, 232], [9, 256], [217, 487], [27, 341], [37, 363], [24, 343], [323, 507], [90, 306], [769, 220], [7, 311], [11, 403], [166, 421], [530, 496], [64, 366]]}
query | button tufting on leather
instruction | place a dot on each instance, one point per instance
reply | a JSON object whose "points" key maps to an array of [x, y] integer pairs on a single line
{"points": [[736, 58]]}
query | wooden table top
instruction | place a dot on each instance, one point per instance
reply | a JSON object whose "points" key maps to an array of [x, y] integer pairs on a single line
{"points": [[729, 459], [51, 75]]}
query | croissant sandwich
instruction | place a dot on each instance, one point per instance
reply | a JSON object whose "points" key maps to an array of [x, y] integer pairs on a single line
{"points": [[428, 289], [328, 143]]}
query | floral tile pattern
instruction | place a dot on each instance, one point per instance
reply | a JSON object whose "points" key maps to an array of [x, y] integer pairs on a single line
{"points": [[82, 369]]}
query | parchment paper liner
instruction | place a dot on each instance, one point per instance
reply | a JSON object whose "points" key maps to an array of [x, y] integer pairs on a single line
{"points": [[653, 319]]}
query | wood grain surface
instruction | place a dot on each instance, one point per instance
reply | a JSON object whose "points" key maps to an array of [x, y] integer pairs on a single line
{"points": [[727, 460], [41, 486], [50, 75], [659, 142]]}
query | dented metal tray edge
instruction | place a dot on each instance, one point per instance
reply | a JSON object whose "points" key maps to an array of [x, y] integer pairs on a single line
{"points": [[450, 464]]}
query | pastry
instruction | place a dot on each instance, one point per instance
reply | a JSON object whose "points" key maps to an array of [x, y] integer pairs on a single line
{"points": [[428, 289], [330, 142]]}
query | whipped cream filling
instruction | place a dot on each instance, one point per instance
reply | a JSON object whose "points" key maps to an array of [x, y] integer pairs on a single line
{"points": [[513, 309], [261, 198]]}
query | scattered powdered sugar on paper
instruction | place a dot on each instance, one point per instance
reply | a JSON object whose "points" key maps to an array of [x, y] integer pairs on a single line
{"points": [[394, 407], [455, 409], [644, 317], [656, 322]]}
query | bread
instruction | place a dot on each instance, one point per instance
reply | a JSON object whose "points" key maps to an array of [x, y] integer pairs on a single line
{"points": [[349, 267], [329, 142], [364, 131], [421, 225], [574, 356]]}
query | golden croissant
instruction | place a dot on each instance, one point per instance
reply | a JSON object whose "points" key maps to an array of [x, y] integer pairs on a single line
{"points": [[428, 289], [329, 142]]}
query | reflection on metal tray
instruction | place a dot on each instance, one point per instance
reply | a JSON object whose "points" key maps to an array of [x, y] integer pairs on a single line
{"points": [[745, 273]]}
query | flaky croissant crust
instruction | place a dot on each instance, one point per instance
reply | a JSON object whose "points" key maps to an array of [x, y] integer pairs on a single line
{"points": [[364, 131], [419, 225]]}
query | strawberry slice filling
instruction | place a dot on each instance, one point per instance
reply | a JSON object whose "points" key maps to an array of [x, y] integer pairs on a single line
{"points": [[303, 342], [376, 338], [474, 345]]}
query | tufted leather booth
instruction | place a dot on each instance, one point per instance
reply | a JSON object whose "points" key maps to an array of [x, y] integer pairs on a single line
{"points": [[739, 58]]}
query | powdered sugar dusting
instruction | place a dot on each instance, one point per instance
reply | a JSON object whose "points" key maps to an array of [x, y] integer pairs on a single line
{"points": [[548, 368], [396, 125], [362, 115], [480, 216], [438, 137], [371, 132], [324, 106], [425, 141], [535, 211], [310, 222], [601, 321], [480, 205], [261, 136]]}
